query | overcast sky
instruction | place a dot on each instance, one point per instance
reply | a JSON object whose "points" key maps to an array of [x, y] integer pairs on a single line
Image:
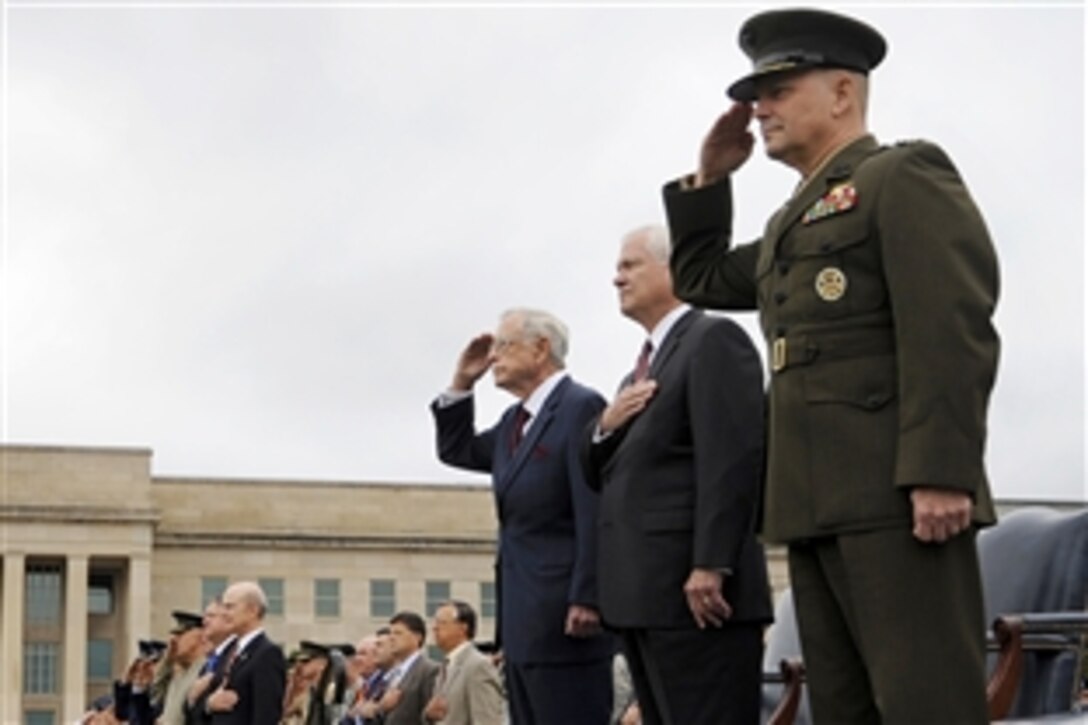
{"points": [[254, 238]]}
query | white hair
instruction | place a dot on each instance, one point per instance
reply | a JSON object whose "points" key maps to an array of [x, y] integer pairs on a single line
{"points": [[656, 239], [538, 323]]}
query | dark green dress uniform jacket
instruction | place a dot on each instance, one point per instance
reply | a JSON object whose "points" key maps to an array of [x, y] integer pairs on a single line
{"points": [[876, 284]]}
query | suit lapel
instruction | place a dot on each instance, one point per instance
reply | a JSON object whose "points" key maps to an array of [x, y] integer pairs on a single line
{"points": [[840, 168], [536, 430], [454, 670], [671, 342], [243, 658]]}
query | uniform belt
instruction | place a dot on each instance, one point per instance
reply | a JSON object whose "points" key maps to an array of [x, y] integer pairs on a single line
{"points": [[803, 349]]}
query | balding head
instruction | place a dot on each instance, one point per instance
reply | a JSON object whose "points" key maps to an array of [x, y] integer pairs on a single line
{"points": [[244, 604], [365, 661]]}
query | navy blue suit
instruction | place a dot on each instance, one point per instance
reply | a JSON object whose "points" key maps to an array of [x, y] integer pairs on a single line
{"points": [[547, 544]]}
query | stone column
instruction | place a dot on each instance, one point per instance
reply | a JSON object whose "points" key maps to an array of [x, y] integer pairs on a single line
{"points": [[11, 639], [138, 606], [75, 638]]}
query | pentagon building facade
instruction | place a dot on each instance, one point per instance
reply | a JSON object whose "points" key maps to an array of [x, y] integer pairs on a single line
{"points": [[336, 559]]}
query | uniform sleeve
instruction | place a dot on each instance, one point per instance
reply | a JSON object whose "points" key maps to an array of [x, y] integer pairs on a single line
{"points": [[942, 277], [706, 271]]}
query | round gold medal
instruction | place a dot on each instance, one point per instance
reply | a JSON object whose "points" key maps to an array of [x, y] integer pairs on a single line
{"points": [[831, 284]]}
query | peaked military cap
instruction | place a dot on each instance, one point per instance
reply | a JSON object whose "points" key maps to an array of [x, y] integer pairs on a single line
{"points": [[309, 650], [348, 650], [184, 621], [780, 41]]}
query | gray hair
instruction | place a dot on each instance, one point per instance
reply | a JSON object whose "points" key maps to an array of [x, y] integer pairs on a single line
{"points": [[538, 323], [656, 239]]}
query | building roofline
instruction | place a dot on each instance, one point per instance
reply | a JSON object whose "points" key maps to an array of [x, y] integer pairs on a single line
{"points": [[317, 483], [74, 448]]}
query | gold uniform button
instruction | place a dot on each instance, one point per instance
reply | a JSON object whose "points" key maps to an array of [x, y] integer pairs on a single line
{"points": [[831, 284]]}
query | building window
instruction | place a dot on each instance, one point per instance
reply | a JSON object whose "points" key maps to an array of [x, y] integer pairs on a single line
{"points": [[40, 668], [434, 652], [273, 592], [327, 597], [100, 660], [487, 600], [383, 598], [40, 717], [436, 594], [43, 594], [211, 587], [100, 594]]}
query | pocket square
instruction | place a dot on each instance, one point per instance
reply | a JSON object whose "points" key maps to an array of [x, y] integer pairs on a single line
{"points": [[540, 453], [841, 198]]}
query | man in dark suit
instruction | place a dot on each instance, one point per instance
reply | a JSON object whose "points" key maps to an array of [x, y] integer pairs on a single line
{"points": [[254, 673], [677, 458], [556, 659], [876, 284]]}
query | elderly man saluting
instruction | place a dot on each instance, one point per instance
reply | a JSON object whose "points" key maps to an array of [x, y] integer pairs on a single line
{"points": [[556, 661]]}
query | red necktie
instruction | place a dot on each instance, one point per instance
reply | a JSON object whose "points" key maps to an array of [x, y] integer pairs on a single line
{"points": [[642, 365], [520, 419]]}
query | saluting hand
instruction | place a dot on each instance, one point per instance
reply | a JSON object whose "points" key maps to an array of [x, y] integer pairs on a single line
{"points": [[727, 146], [939, 514], [475, 360], [629, 402]]}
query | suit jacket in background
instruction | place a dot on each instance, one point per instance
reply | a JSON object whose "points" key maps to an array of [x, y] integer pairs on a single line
{"points": [[680, 482], [547, 520], [876, 285], [416, 688], [472, 689], [259, 675], [196, 713]]}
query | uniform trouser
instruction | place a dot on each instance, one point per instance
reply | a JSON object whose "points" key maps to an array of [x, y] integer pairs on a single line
{"points": [[696, 677], [892, 629]]}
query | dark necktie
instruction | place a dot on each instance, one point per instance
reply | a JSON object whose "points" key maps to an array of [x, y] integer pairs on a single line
{"points": [[521, 417], [642, 365], [380, 686]]}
